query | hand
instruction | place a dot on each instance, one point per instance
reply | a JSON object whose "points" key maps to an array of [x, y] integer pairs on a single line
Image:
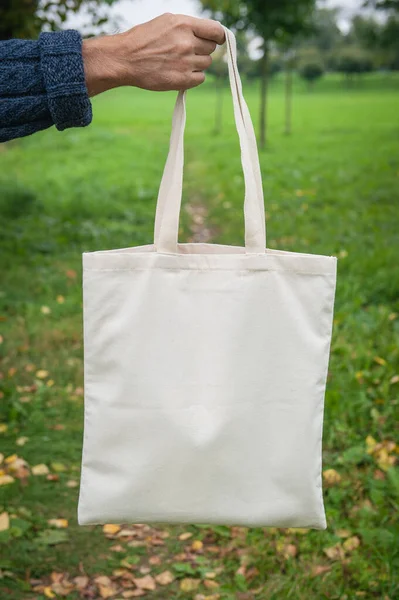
{"points": [[168, 53]]}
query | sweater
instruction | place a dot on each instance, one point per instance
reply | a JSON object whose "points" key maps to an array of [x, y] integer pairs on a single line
{"points": [[42, 83]]}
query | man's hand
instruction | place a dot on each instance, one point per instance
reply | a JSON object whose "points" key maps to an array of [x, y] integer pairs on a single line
{"points": [[168, 53]]}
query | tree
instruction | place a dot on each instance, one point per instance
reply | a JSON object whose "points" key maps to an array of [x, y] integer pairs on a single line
{"points": [[352, 61], [26, 18], [311, 71], [278, 20]]}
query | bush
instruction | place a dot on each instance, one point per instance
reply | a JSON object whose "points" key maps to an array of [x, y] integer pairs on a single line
{"points": [[311, 71]]}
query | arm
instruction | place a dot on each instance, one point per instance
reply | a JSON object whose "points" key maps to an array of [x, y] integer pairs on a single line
{"points": [[42, 83], [49, 82]]}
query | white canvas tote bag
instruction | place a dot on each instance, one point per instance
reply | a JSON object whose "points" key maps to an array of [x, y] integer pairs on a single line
{"points": [[205, 368]]}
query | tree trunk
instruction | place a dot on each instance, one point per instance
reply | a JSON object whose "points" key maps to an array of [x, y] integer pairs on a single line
{"points": [[219, 105], [263, 97], [288, 100]]}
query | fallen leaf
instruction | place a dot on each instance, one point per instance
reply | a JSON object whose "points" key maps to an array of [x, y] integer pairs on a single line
{"points": [[145, 570], [42, 374], [71, 274], [4, 521], [197, 546], [50, 383], [81, 582], [331, 476], [394, 379], [379, 475], [58, 467], [106, 591], [320, 570], [45, 310], [40, 470], [164, 578], [21, 441], [342, 533], [52, 477], [1, 339], [145, 583], [1, 457], [72, 483], [60, 299], [185, 536], [189, 584], [12, 371], [335, 552], [210, 584], [6, 479], [380, 361], [351, 543], [58, 523], [371, 443], [111, 529], [133, 593], [30, 368], [3, 427], [154, 560], [47, 591]]}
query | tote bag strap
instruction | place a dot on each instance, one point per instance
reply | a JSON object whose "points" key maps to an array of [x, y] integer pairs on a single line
{"points": [[170, 191]]}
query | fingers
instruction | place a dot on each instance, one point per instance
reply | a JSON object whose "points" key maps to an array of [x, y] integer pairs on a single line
{"points": [[203, 47], [207, 29], [196, 79], [201, 63]]}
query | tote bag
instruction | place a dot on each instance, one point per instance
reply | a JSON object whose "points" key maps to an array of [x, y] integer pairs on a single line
{"points": [[205, 368]]}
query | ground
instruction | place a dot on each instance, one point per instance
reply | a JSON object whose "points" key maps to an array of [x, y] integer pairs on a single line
{"points": [[332, 187]]}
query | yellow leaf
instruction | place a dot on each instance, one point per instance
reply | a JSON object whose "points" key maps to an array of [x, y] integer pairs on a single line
{"points": [[185, 536], [394, 379], [60, 299], [21, 441], [383, 459], [351, 543], [4, 521], [133, 593], [342, 253], [1, 458], [81, 581], [42, 374], [12, 371], [40, 470], [106, 591], [50, 383], [164, 578], [380, 361], [331, 476], [46, 310], [72, 483], [300, 530], [370, 444], [145, 583], [1, 339], [197, 545], [47, 591], [320, 570], [58, 467], [59, 523], [189, 584], [3, 427], [111, 529], [210, 584], [6, 479], [10, 459]]}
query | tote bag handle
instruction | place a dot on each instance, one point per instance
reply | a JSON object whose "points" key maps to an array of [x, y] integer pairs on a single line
{"points": [[170, 191]]}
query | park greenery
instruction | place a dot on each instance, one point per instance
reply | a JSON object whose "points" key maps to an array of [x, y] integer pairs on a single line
{"points": [[331, 187]]}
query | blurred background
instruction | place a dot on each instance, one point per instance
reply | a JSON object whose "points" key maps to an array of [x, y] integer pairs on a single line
{"points": [[322, 83]]}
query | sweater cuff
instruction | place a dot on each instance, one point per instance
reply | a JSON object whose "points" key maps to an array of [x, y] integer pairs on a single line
{"points": [[61, 63]]}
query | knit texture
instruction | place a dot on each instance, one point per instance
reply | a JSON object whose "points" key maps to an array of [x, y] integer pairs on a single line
{"points": [[42, 83]]}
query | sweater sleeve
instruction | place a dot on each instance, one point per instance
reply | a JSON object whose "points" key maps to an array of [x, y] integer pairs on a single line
{"points": [[42, 83]]}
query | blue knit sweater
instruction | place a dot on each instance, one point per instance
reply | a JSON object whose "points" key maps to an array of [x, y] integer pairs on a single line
{"points": [[42, 83]]}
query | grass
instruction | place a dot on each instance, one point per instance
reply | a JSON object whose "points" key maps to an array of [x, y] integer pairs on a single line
{"points": [[332, 187]]}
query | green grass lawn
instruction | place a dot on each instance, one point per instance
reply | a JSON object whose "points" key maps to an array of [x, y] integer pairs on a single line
{"points": [[332, 187]]}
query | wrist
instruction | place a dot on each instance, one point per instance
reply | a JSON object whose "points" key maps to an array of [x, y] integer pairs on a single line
{"points": [[101, 65]]}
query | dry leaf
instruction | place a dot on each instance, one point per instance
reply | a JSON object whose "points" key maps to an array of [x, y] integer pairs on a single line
{"points": [[351, 543], [189, 584], [6, 479], [370, 444], [320, 570], [21, 441], [109, 528], [106, 591], [165, 578], [117, 548], [47, 591], [185, 536], [71, 274], [342, 533], [379, 475], [394, 379], [40, 470], [331, 477], [145, 570], [58, 523], [154, 560], [380, 361], [335, 552], [52, 477], [81, 582], [72, 483], [145, 583], [12, 371], [210, 584], [42, 374], [4, 521], [3, 427], [197, 545], [60, 299], [133, 593], [46, 310]]}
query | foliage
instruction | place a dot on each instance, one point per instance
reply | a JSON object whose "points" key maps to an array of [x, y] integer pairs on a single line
{"points": [[25, 19], [311, 70], [332, 188], [351, 60]]}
